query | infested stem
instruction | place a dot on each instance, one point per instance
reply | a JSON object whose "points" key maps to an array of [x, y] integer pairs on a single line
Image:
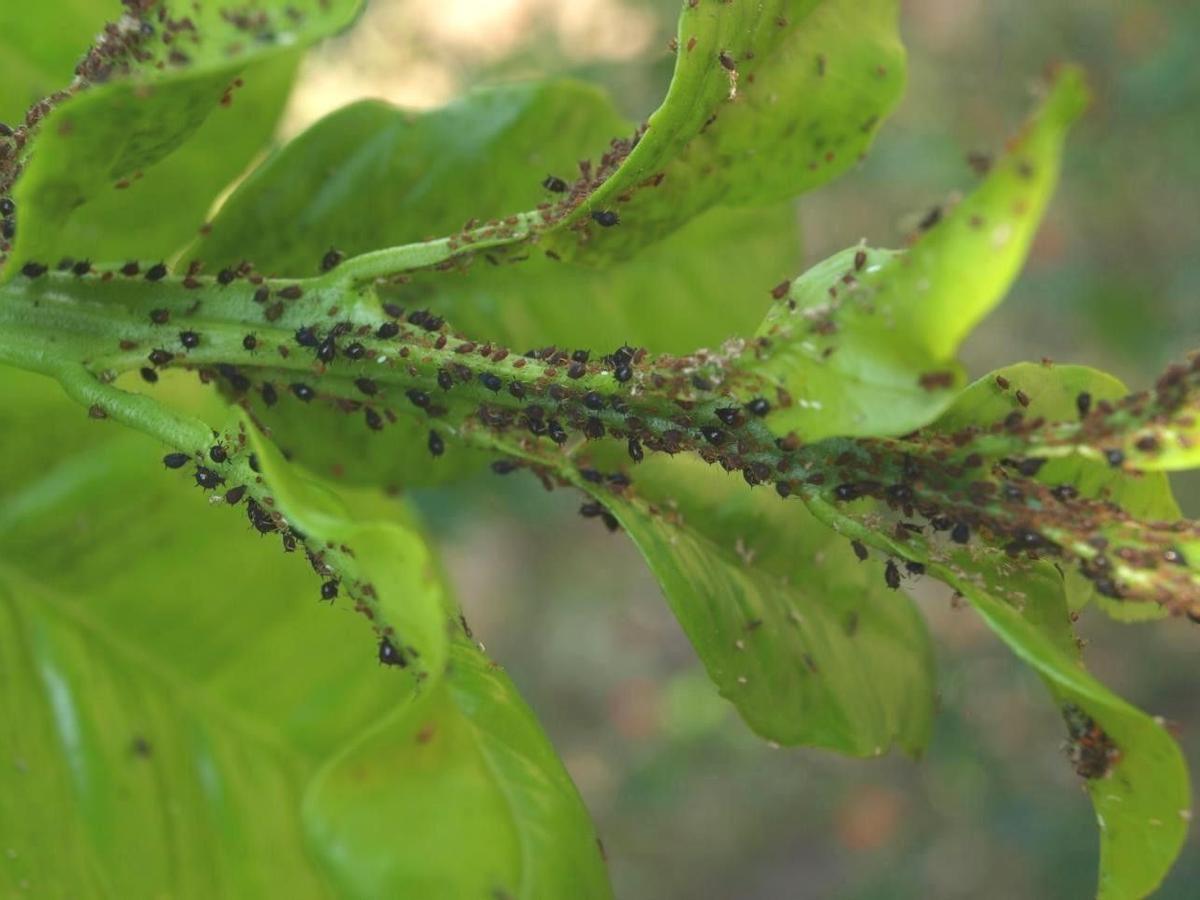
{"points": [[330, 343]]}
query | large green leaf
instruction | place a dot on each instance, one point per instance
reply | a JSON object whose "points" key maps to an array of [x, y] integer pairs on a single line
{"points": [[130, 167], [808, 645], [1141, 791], [178, 705], [768, 100], [458, 795], [1142, 801], [864, 343], [399, 177]]}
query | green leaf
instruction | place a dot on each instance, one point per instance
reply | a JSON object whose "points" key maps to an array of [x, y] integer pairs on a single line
{"points": [[168, 689], [960, 269], [844, 370], [810, 82], [1050, 391], [1143, 802], [401, 176], [129, 168], [457, 795], [864, 343], [178, 704], [695, 288], [808, 645]]}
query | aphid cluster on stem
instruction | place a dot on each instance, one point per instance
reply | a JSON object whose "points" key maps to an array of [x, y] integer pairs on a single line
{"points": [[1091, 751]]}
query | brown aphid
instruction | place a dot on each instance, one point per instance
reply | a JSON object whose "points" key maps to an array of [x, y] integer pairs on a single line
{"points": [[933, 381]]}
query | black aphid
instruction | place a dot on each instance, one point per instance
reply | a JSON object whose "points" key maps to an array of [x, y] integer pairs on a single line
{"points": [[389, 655], [891, 575], [176, 460], [758, 406], [261, 520], [207, 478], [728, 414], [1083, 403]]}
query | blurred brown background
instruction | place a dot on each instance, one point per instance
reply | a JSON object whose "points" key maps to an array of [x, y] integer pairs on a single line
{"points": [[689, 803]]}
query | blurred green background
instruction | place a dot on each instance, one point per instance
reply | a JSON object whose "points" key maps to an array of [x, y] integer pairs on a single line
{"points": [[689, 803]]}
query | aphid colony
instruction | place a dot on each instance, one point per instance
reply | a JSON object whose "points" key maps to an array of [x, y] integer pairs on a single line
{"points": [[687, 404], [1091, 751], [942, 484], [680, 405], [265, 520]]}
